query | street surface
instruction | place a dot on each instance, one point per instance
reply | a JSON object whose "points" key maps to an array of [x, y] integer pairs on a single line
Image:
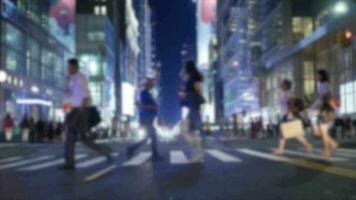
{"points": [[233, 170]]}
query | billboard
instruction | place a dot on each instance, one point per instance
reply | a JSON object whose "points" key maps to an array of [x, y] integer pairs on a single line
{"points": [[62, 21]]}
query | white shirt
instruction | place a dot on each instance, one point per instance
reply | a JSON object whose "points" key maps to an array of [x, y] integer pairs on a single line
{"points": [[78, 89], [283, 101]]}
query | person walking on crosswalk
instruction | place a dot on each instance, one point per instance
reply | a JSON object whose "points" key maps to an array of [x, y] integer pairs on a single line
{"points": [[192, 98], [77, 120], [326, 113], [148, 112], [288, 112]]}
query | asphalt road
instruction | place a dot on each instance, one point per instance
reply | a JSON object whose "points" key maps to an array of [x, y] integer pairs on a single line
{"points": [[232, 170]]}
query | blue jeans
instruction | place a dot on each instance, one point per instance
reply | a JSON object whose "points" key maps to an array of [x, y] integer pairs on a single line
{"points": [[151, 134]]}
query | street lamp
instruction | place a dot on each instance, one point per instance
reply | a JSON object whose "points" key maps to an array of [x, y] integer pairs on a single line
{"points": [[341, 7]]}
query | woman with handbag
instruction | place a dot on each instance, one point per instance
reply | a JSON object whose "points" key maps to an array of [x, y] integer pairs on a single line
{"points": [[290, 110], [191, 97], [326, 113]]}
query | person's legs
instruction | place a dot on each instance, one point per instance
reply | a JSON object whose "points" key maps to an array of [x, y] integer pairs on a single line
{"points": [[25, 135], [307, 145], [99, 148], [326, 142], [69, 146], [8, 134], [134, 147], [151, 131]]}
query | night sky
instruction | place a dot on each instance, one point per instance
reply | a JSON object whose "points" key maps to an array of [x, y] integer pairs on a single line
{"points": [[175, 25]]}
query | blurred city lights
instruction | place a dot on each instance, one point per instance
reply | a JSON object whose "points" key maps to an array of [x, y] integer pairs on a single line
{"points": [[3, 76], [348, 34], [341, 7]]}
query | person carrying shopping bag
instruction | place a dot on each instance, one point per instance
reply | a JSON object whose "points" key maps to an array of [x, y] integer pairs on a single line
{"points": [[291, 125]]}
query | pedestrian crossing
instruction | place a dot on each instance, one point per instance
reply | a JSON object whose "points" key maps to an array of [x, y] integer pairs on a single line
{"points": [[176, 157]]}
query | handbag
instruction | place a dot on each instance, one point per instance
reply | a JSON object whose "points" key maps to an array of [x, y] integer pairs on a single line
{"points": [[94, 117], [292, 129]]}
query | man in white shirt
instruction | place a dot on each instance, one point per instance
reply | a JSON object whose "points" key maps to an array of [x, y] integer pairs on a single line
{"points": [[77, 119]]}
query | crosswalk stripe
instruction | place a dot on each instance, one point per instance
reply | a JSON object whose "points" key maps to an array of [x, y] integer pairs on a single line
{"points": [[338, 153], [343, 150], [100, 173], [262, 155], [302, 163], [224, 157], [10, 159], [178, 157], [50, 163], [94, 161], [24, 162], [8, 145], [313, 156], [138, 160]]}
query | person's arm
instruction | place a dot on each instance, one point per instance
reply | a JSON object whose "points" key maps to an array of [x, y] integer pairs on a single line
{"points": [[198, 88], [86, 93]]}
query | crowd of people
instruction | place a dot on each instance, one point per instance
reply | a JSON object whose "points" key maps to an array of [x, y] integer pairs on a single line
{"points": [[30, 131]]}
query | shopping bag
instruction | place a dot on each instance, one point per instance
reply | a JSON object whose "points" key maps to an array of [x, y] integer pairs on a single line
{"points": [[292, 129]]}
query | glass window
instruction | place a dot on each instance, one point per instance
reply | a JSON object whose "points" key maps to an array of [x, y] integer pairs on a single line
{"points": [[96, 36], [97, 10], [92, 63], [11, 60], [12, 37], [103, 10], [96, 93]]}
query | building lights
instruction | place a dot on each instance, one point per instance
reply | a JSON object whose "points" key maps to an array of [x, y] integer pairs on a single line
{"points": [[34, 102], [3, 76], [35, 89]]}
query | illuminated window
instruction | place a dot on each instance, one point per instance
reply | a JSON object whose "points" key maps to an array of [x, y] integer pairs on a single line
{"points": [[97, 10], [302, 27], [103, 10], [96, 36]]}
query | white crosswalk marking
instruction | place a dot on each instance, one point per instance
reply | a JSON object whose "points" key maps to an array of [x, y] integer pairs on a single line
{"points": [[138, 160], [50, 163], [313, 156], [100, 173], [338, 153], [224, 157], [10, 159], [94, 161], [178, 157], [8, 145], [343, 150], [263, 155], [24, 162]]}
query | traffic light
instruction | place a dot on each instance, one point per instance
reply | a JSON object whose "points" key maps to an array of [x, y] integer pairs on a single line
{"points": [[345, 38]]}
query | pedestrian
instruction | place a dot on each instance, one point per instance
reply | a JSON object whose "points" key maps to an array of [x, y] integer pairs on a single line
{"points": [[50, 131], [25, 129], [193, 98], [289, 113], [32, 130], [40, 132], [9, 127], [79, 119], [114, 127], [326, 114], [147, 113]]}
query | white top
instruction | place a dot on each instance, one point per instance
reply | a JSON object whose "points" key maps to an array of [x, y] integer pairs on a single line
{"points": [[323, 90], [283, 101], [78, 89]]}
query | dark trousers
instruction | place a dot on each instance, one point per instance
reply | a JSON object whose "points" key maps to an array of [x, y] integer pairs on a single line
{"points": [[74, 132], [150, 134]]}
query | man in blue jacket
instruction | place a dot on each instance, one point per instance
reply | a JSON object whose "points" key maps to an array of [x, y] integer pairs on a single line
{"points": [[147, 113]]}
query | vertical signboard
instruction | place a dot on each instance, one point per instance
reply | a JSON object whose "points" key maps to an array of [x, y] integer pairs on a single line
{"points": [[62, 21]]}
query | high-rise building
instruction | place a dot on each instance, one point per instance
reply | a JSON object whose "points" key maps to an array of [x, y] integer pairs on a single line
{"points": [[297, 41], [95, 50], [37, 38], [235, 25]]}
